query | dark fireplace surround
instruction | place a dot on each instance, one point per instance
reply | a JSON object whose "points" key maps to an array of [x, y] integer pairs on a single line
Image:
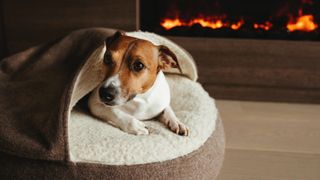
{"points": [[251, 67]]}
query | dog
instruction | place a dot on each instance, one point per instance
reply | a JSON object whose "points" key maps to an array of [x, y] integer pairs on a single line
{"points": [[135, 88]]}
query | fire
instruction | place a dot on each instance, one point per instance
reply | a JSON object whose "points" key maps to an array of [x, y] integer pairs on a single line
{"points": [[171, 23], [207, 23], [266, 26], [213, 23], [302, 23], [237, 25]]}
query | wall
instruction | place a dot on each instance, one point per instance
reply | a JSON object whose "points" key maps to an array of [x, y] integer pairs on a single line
{"points": [[2, 40], [258, 70], [30, 22]]}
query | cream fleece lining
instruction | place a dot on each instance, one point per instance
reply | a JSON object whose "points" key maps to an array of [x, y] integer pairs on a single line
{"points": [[94, 141]]}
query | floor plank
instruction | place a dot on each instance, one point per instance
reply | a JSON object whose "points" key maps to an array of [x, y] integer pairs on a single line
{"points": [[271, 126], [270, 141], [263, 165]]}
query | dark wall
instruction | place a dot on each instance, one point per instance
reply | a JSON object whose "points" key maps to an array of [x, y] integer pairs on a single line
{"points": [[2, 40], [258, 70], [27, 23]]}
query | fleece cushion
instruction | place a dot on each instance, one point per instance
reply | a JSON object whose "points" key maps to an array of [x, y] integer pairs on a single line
{"points": [[91, 140]]}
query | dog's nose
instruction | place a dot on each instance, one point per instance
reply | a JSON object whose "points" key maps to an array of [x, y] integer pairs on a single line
{"points": [[107, 94]]}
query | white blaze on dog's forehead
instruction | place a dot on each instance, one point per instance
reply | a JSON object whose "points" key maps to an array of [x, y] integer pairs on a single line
{"points": [[113, 80]]}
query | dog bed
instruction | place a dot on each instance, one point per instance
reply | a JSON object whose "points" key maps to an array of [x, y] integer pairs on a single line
{"points": [[46, 134]]}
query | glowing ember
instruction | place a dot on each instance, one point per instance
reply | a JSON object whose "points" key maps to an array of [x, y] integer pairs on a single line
{"points": [[266, 26], [213, 23], [302, 23], [207, 23], [171, 23], [237, 25]]}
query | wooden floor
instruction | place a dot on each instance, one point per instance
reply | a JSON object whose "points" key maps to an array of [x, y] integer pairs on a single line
{"points": [[275, 141]]}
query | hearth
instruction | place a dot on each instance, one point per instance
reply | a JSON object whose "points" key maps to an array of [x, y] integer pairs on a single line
{"points": [[263, 19]]}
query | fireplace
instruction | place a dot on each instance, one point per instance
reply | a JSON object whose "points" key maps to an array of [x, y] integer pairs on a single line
{"points": [[265, 50], [265, 19]]}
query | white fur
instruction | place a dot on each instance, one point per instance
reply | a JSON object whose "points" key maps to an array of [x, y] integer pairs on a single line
{"points": [[151, 103], [114, 80], [144, 106]]}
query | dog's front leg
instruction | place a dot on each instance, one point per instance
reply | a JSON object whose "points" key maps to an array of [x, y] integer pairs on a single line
{"points": [[115, 116], [127, 123], [169, 118], [119, 119]]}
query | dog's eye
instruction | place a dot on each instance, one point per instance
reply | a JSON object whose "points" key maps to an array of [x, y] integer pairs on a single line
{"points": [[137, 66], [108, 59]]}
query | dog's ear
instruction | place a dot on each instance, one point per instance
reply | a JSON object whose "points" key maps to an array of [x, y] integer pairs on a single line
{"points": [[167, 59], [113, 38]]}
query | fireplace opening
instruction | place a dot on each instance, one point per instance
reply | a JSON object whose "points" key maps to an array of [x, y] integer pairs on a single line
{"points": [[264, 19]]}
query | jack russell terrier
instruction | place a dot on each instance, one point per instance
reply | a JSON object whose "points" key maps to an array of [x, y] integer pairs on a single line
{"points": [[135, 88]]}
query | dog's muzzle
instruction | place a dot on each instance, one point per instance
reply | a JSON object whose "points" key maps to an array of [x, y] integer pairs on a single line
{"points": [[108, 95]]}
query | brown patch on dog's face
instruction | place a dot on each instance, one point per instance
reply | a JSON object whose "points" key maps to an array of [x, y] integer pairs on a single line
{"points": [[134, 64]]}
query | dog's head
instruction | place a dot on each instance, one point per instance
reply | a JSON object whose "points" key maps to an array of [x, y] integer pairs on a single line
{"points": [[132, 65]]}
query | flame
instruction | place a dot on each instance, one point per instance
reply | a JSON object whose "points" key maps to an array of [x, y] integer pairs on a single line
{"points": [[171, 23], [265, 26], [213, 23], [237, 25], [302, 23]]}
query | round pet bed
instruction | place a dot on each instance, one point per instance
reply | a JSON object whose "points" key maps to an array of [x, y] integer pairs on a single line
{"points": [[53, 138]]}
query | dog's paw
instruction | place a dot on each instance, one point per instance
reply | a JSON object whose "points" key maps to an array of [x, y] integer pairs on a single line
{"points": [[136, 127], [178, 128]]}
